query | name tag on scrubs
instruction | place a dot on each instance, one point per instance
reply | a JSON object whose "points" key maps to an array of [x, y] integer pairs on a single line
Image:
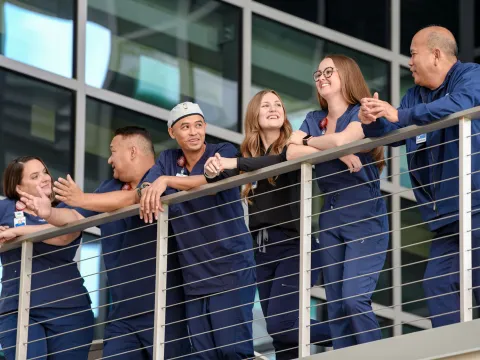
{"points": [[181, 175], [20, 221], [421, 138]]}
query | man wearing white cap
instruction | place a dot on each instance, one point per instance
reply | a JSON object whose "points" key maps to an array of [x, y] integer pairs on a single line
{"points": [[215, 247]]}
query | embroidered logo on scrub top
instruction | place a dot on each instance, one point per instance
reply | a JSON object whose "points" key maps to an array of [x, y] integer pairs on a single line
{"points": [[323, 125]]}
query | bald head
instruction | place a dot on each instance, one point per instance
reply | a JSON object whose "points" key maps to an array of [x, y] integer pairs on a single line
{"points": [[433, 53], [438, 37]]}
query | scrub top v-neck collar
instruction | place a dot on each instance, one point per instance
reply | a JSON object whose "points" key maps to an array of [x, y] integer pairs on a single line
{"points": [[198, 164]]}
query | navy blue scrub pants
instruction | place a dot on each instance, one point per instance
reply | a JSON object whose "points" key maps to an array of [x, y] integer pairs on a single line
{"points": [[442, 292], [54, 345], [231, 343], [275, 282], [340, 244], [133, 336]]}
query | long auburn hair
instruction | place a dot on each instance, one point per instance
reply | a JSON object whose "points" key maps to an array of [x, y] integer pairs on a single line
{"points": [[13, 174], [354, 88], [252, 143]]}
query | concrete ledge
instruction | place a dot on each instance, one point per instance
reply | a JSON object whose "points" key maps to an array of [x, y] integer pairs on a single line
{"points": [[458, 341]]}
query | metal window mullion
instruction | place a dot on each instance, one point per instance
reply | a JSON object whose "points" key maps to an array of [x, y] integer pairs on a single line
{"points": [[160, 284], [246, 81], [24, 300], [305, 260], [80, 94], [465, 208]]}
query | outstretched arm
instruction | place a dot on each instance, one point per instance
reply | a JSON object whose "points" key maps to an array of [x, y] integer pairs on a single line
{"points": [[42, 207], [12, 233], [68, 192]]}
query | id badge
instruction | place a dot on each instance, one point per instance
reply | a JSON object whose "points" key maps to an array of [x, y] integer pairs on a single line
{"points": [[421, 139], [19, 214], [181, 175], [20, 221]]}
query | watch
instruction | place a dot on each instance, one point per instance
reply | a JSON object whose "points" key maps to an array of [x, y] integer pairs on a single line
{"points": [[141, 187], [306, 138]]}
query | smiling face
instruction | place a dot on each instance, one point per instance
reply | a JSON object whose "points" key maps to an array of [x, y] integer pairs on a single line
{"points": [[422, 60], [328, 86], [35, 174], [120, 157], [272, 114], [189, 133]]}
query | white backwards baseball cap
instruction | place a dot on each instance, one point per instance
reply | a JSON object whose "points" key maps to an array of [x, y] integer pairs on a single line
{"points": [[183, 110]]}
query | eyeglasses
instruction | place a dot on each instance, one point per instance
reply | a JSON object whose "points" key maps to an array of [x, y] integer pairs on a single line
{"points": [[327, 72]]}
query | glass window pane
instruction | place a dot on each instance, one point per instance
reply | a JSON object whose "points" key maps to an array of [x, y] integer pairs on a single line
{"points": [[36, 119], [385, 297], [102, 121], [386, 326], [284, 59], [406, 82], [92, 263], [418, 14], [412, 253], [164, 52], [408, 329], [38, 33], [369, 22]]}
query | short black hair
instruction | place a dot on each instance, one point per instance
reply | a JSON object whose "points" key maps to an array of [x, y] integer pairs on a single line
{"points": [[128, 131]]}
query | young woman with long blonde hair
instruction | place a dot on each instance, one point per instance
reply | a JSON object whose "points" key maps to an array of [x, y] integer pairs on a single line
{"points": [[273, 220]]}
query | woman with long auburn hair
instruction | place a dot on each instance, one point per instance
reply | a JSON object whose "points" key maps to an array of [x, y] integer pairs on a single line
{"points": [[60, 317], [353, 223], [274, 210]]}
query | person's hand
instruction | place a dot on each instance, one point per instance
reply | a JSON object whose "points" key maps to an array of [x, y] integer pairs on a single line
{"points": [[353, 162], [41, 205], [212, 167], [67, 191], [150, 203], [7, 234], [374, 108]]}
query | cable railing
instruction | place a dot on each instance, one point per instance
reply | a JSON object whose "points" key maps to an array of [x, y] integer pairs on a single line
{"points": [[230, 305]]}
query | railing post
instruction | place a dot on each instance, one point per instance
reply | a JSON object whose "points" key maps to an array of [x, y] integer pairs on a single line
{"points": [[305, 263], [24, 300], [465, 208], [160, 284]]}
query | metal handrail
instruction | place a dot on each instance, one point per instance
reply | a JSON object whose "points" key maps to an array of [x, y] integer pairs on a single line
{"points": [[239, 180]]}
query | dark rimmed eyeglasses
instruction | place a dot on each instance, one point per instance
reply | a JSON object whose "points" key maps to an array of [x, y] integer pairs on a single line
{"points": [[327, 72]]}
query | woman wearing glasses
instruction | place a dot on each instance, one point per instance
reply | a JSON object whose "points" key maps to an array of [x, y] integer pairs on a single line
{"points": [[353, 222]]}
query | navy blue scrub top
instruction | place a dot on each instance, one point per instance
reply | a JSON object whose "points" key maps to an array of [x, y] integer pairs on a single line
{"points": [[311, 125], [147, 250], [65, 273], [167, 165]]}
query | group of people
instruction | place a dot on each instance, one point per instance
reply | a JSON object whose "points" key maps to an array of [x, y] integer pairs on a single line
{"points": [[216, 262]]}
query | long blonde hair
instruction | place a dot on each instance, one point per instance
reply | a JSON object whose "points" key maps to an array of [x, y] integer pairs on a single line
{"points": [[354, 88], [252, 143]]}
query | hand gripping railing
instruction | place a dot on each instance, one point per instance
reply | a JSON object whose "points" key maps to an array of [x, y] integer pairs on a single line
{"points": [[462, 119]]}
